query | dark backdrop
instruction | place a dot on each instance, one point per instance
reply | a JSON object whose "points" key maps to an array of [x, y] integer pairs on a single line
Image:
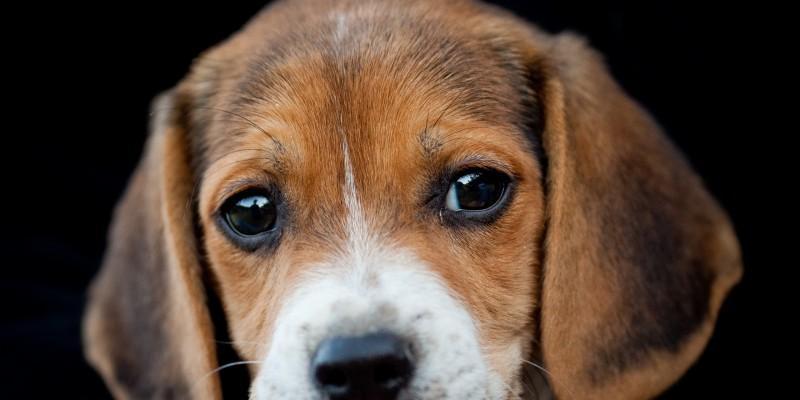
{"points": [[82, 78]]}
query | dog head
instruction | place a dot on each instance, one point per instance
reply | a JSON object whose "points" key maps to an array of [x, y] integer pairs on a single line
{"points": [[407, 200]]}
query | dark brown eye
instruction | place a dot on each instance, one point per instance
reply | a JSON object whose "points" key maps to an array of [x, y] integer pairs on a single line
{"points": [[475, 190], [250, 213]]}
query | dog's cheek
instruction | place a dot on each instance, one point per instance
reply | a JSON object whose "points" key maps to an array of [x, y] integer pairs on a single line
{"points": [[499, 303], [242, 282], [507, 334], [497, 277], [255, 288]]}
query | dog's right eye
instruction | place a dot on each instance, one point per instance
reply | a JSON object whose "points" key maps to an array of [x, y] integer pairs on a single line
{"points": [[250, 213]]}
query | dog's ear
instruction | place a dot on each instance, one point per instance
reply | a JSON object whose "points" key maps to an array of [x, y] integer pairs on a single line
{"points": [[147, 329], [638, 255]]}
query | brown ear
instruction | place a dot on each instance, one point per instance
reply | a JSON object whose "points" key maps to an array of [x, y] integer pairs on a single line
{"points": [[147, 329], [638, 255]]}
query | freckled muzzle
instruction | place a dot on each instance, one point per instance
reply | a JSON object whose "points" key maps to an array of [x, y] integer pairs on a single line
{"points": [[391, 331]]}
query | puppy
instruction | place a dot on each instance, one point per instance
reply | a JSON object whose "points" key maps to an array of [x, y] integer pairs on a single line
{"points": [[407, 200]]}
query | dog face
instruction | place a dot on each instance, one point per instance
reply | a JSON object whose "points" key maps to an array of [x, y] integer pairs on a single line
{"points": [[388, 189], [407, 200]]}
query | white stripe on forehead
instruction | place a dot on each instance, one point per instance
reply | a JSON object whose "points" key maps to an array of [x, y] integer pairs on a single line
{"points": [[341, 27], [358, 237]]}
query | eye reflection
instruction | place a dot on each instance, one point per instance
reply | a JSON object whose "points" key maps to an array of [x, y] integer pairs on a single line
{"points": [[250, 214], [475, 191]]}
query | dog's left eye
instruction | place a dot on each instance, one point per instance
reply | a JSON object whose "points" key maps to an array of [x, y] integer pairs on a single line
{"points": [[475, 190], [250, 213]]}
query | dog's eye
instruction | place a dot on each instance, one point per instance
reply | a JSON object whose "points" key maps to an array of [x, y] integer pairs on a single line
{"points": [[475, 190], [250, 213]]}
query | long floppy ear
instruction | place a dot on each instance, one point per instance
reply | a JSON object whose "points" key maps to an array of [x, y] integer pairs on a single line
{"points": [[638, 255], [147, 329]]}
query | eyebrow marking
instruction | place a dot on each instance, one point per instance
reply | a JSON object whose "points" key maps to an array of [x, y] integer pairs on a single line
{"points": [[431, 143], [272, 155], [432, 139]]}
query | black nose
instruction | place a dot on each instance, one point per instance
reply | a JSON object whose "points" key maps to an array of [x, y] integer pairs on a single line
{"points": [[374, 367]]}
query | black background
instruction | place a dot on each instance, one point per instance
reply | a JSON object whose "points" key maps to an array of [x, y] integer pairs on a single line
{"points": [[81, 79]]}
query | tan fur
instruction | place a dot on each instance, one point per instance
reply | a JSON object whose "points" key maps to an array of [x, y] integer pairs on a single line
{"points": [[412, 89]]}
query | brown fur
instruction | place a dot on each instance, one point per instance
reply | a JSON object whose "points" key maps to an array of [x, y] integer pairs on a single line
{"points": [[609, 239]]}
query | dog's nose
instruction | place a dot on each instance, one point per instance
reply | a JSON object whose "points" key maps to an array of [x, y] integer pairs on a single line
{"points": [[374, 366]]}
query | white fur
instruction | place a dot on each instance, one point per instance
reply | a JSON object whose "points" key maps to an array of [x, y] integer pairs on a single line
{"points": [[401, 296]]}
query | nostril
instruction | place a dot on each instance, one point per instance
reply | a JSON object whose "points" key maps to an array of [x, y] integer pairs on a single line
{"points": [[374, 366], [332, 378], [391, 373]]}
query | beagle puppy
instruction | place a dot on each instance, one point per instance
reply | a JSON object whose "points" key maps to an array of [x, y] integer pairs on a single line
{"points": [[407, 200]]}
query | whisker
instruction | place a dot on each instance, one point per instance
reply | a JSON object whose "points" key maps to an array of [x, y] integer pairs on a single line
{"points": [[228, 112], [220, 368], [248, 120], [244, 342], [193, 197], [228, 365], [546, 372], [528, 381], [537, 366], [447, 108]]}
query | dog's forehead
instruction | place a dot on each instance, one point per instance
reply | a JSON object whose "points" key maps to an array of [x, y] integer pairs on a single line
{"points": [[368, 79]]}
